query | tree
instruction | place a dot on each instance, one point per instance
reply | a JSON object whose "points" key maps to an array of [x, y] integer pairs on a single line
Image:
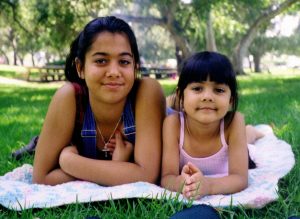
{"points": [[241, 48]]}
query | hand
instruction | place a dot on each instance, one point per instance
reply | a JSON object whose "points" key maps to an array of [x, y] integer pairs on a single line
{"points": [[111, 145], [123, 149], [185, 175], [196, 185]]}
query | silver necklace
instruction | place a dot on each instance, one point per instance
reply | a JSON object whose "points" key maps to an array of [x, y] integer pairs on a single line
{"points": [[102, 137]]}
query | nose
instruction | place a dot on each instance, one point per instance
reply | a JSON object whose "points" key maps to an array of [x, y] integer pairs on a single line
{"points": [[113, 70], [207, 95]]}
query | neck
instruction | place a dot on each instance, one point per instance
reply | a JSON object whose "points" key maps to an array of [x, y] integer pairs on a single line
{"points": [[201, 131], [106, 114]]}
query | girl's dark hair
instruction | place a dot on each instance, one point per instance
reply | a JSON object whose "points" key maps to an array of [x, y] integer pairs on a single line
{"points": [[83, 42], [214, 65]]}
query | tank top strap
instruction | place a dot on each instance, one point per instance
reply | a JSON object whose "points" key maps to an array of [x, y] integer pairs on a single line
{"points": [[129, 122], [222, 134], [88, 134], [181, 137]]}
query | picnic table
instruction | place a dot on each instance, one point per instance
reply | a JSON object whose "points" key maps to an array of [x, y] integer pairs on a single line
{"points": [[46, 73], [158, 72]]}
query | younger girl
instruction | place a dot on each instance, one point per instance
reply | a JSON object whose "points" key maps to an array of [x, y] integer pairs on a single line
{"points": [[205, 143]]}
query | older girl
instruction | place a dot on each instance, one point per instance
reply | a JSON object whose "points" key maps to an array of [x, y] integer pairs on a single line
{"points": [[103, 110]]}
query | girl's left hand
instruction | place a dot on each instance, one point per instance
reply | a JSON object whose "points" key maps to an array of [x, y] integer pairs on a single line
{"points": [[197, 184], [123, 149]]}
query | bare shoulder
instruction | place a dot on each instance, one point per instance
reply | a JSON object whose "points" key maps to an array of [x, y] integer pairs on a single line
{"points": [[149, 85], [172, 120], [171, 126], [238, 117], [63, 104], [66, 91], [150, 97], [237, 126]]}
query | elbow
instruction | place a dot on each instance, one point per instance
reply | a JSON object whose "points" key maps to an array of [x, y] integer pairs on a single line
{"points": [[243, 184], [38, 180], [150, 177]]}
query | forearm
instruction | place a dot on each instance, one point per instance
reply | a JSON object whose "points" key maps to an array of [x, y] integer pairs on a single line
{"points": [[54, 177], [227, 184], [58, 176], [106, 172], [173, 182]]}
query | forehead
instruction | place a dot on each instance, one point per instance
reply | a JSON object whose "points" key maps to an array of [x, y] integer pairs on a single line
{"points": [[110, 43], [208, 81]]}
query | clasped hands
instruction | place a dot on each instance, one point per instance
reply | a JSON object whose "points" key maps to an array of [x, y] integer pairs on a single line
{"points": [[119, 148], [196, 184]]}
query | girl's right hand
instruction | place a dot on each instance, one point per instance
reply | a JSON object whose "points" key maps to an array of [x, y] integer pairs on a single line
{"points": [[123, 149], [196, 185], [185, 174]]}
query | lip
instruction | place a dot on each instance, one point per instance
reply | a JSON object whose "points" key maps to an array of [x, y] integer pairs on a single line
{"points": [[207, 108], [112, 85]]}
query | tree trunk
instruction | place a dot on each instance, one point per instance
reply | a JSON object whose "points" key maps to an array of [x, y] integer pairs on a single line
{"points": [[241, 49], [6, 59], [15, 56], [183, 49], [250, 63], [21, 59], [168, 22], [210, 35], [32, 58], [256, 59]]}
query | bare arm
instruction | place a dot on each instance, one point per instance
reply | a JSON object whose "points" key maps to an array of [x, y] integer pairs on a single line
{"points": [[171, 178], [237, 178], [150, 111], [55, 135]]}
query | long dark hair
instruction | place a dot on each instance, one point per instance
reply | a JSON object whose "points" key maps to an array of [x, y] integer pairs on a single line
{"points": [[81, 45], [217, 67]]}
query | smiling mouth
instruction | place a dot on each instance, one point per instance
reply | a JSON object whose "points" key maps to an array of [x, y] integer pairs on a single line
{"points": [[207, 108], [112, 85]]}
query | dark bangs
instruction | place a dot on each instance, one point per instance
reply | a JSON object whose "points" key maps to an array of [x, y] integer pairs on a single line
{"points": [[207, 64], [212, 65]]}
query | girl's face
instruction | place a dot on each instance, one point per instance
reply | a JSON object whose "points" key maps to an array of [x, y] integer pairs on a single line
{"points": [[207, 101], [109, 68]]}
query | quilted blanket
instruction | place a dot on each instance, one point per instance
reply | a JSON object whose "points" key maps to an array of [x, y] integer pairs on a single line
{"points": [[273, 156]]}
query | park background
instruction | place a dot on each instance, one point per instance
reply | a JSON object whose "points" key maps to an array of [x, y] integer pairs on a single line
{"points": [[261, 38]]}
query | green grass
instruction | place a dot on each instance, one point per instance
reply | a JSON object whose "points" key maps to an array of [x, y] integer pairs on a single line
{"points": [[271, 99]]}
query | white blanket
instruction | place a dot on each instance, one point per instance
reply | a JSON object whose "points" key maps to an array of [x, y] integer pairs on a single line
{"points": [[273, 157]]}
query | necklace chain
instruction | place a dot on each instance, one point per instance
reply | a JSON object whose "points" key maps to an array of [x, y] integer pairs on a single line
{"points": [[102, 137]]}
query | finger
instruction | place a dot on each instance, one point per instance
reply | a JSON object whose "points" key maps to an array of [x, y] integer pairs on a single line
{"points": [[128, 145], [111, 145], [193, 168], [113, 141], [194, 194], [197, 177], [185, 169], [119, 140]]}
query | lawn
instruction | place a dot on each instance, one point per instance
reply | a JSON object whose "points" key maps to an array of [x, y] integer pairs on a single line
{"points": [[265, 98]]}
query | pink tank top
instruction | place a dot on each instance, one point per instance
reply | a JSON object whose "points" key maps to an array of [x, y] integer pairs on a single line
{"points": [[215, 165]]}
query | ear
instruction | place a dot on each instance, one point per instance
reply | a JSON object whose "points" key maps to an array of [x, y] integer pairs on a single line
{"points": [[79, 68]]}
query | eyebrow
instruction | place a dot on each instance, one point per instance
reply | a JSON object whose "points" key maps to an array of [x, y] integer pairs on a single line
{"points": [[106, 54]]}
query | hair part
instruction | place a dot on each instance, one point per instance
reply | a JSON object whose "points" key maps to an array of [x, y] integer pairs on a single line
{"points": [[215, 66], [83, 42]]}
